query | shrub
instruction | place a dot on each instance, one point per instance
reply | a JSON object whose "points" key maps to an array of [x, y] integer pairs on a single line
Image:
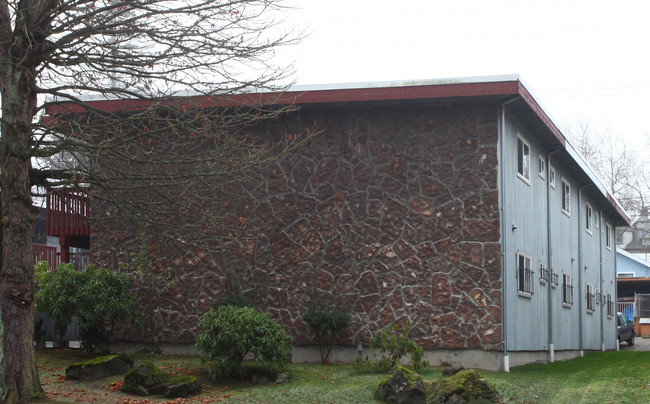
{"points": [[326, 326], [233, 300], [98, 298], [231, 332], [393, 344]]}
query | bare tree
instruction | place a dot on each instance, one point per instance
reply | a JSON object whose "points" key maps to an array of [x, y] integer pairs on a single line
{"points": [[155, 152], [625, 174]]}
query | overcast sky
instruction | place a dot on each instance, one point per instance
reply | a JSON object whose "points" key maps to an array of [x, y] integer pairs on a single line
{"points": [[582, 59]]}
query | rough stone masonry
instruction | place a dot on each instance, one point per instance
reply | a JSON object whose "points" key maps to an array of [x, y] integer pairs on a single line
{"points": [[391, 212]]}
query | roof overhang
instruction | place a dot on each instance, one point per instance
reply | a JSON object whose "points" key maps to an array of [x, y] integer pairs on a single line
{"points": [[520, 102]]}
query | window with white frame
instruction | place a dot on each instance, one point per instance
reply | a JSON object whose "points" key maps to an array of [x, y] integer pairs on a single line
{"points": [[555, 278], [589, 218], [597, 296], [541, 167], [544, 275], [523, 159], [610, 305], [608, 236], [591, 297], [524, 275], [567, 290], [566, 197], [551, 177], [596, 221]]}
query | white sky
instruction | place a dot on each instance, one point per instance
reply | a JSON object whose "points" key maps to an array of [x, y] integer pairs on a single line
{"points": [[582, 59]]}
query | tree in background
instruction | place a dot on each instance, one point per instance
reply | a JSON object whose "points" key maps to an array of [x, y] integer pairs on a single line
{"points": [[625, 174], [152, 156]]}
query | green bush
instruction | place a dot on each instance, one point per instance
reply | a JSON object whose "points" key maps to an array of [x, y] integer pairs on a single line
{"points": [[326, 326], [231, 332], [393, 344], [233, 300], [98, 298]]}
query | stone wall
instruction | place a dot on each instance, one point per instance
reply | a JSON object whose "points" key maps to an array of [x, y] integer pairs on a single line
{"points": [[391, 213]]}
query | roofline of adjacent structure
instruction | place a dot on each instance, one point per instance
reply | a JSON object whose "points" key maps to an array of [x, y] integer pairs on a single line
{"points": [[633, 257], [448, 88]]}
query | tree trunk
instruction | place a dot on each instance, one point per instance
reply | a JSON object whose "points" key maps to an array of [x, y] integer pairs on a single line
{"points": [[19, 380]]}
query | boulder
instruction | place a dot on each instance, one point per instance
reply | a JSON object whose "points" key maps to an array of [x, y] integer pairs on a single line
{"points": [[402, 386], [98, 368], [144, 379], [466, 386]]}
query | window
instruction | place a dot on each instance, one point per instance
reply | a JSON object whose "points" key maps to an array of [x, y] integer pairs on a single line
{"points": [[554, 277], [566, 197], [589, 218], [541, 167], [608, 236], [543, 273], [524, 275], [551, 177], [596, 221], [590, 298], [567, 290], [610, 305], [597, 295], [523, 159]]}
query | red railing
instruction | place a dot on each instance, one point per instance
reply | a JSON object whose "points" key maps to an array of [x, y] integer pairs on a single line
{"points": [[67, 211], [49, 253], [46, 253]]}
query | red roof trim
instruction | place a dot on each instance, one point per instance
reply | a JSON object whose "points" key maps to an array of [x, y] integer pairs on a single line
{"points": [[539, 111], [431, 91]]}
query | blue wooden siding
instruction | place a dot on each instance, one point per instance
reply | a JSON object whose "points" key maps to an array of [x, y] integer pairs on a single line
{"points": [[573, 251]]}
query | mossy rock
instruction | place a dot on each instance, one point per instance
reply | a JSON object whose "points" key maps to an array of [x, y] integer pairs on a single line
{"points": [[466, 386], [98, 368], [144, 379], [402, 385]]}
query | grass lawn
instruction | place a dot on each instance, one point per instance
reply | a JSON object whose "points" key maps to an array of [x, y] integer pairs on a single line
{"points": [[601, 377]]}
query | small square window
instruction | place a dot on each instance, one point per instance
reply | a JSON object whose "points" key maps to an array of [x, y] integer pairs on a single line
{"points": [[566, 198], [523, 159], [544, 275], [555, 278], [610, 305], [567, 290], [524, 275], [541, 167], [551, 177], [591, 297]]}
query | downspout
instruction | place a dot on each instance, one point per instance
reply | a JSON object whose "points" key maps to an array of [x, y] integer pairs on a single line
{"points": [[600, 279], [504, 278], [549, 249], [580, 276]]}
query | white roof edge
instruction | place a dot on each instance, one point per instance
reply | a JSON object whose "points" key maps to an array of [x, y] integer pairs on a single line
{"points": [[404, 83], [632, 257]]}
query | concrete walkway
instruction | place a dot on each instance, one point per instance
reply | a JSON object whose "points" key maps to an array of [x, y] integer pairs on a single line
{"points": [[640, 344]]}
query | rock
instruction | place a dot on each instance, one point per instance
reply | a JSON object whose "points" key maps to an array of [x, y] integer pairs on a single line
{"points": [[466, 386], [98, 368], [404, 386], [450, 371], [144, 379], [282, 378]]}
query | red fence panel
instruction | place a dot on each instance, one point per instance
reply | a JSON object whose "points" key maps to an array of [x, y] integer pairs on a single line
{"points": [[46, 253]]}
